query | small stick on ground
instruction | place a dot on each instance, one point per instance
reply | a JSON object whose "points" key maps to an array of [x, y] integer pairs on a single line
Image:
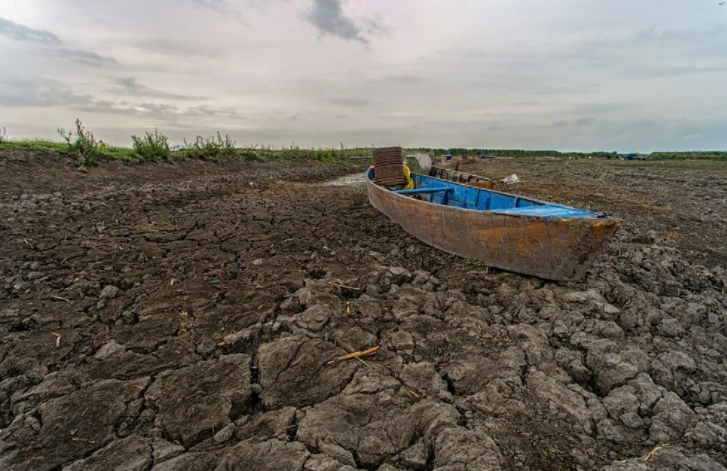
{"points": [[58, 339], [652, 453], [349, 356], [344, 286], [83, 440], [296, 261], [60, 298]]}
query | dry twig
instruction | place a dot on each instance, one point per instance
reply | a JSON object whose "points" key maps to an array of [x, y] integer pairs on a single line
{"points": [[349, 356], [296, 261], [83, 440], [344, 286], [652, 453], [58, 339], [60, 298]]}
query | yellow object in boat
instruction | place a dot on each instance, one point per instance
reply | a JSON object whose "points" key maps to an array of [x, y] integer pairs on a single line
{"points": [[409, 181]]}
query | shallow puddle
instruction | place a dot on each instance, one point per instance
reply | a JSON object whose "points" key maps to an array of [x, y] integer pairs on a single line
{"points": [[355, 179]]}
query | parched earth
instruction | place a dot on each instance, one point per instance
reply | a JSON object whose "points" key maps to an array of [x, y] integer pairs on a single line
{"points": [[184, 317]]}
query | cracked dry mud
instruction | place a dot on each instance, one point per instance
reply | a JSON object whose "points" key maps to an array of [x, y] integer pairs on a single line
{"points": [[117, 352]]}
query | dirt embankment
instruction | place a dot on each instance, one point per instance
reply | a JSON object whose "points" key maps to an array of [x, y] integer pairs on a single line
{"points": [[183, 317]]}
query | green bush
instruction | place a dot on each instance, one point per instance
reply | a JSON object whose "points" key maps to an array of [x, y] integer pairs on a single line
{"points": [[152, 146], [83, 144], [210, 148]]}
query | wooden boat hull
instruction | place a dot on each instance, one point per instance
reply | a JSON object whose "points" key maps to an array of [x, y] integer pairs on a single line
{"points": [[547, 247]]}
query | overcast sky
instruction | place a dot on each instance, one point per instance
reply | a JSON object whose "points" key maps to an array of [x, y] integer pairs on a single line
{"points": [[626, 75]]}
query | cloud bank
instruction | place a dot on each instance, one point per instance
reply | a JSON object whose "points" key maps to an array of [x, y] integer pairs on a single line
{"points": [[570, 75]]}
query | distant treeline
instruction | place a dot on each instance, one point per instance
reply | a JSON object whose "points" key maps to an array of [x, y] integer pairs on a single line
{"points": [[518, 153], [706, 155], [709, 155]]}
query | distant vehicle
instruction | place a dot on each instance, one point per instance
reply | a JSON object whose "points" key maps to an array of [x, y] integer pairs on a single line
{"points": [[629, 156]]}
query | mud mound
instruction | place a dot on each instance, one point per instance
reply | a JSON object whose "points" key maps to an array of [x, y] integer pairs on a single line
{"points": [[185, 317]]}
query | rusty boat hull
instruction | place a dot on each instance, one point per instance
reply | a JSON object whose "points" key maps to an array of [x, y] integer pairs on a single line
{"points": [[502, 230]]}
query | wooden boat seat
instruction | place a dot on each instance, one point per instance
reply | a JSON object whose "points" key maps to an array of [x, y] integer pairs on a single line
{"points": [[423, 190], [548, 211]]}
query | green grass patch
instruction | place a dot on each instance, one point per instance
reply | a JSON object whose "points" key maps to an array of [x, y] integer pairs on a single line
{"points": [[146, 152], [34, 144], [123, 154], [103, 152], [88, 151]]}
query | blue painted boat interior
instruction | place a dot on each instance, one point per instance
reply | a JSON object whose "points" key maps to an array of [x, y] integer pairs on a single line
{"points": [[437, 191]]}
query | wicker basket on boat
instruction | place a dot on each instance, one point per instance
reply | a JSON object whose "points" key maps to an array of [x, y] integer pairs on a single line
{"points": [[389, 166]]}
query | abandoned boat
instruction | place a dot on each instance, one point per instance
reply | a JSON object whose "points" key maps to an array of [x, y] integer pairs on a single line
{"points": [[505, 231]]}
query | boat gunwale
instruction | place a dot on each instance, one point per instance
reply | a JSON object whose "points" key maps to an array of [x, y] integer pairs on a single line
{"points": [[503, 212]]}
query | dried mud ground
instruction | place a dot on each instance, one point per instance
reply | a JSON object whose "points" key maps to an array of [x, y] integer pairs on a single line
{"points": [[182, 317]]}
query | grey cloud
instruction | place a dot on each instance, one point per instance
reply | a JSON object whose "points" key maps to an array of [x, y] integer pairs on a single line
{"points": [[543, 87], [600, 108], [155, 110], [173, 47], [580, 122], [16, 93], [23, 33], [19, 93], [328, 17], [678, 46], [677, 36], [376, 25], [670, 71], [352, 102], [261, 5], [585, 121], [405, 79], [130, 87], [53, 43], [85, 57], [641, 54], [221, 7], [646, 135]]}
